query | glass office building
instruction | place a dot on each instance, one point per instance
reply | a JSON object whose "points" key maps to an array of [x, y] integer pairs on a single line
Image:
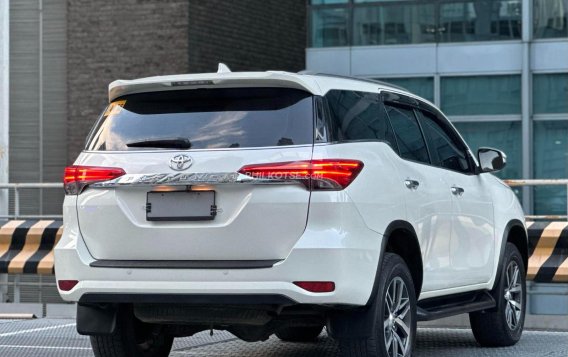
{"points": [[497, 68]]}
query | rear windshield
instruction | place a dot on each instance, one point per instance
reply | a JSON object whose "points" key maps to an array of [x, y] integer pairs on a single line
{"points": [[205, 119]]}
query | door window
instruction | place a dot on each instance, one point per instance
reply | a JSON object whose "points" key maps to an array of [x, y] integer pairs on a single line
{"points": [[445, 150], [409, 137]]}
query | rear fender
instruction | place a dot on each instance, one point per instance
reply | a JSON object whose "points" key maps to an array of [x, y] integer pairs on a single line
{"points": [[360, 322]]}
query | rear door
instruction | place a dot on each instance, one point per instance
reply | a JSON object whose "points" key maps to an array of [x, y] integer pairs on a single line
{"points": [[201, 137], [428, 202]]}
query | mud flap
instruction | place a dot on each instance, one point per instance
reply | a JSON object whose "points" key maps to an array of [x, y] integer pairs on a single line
{"points": [[93, 320], [353, 324]]}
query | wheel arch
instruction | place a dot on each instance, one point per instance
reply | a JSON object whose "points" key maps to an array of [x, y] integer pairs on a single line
{"points": [[401, 238], [515, 233]]}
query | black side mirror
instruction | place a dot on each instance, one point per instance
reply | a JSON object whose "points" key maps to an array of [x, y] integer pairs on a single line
{"points": [[491, 160]]}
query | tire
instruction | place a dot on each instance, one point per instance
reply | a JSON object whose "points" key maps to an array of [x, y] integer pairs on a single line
{"points": [[299, 333], [132, 338], [395, 315], [503, 326]]}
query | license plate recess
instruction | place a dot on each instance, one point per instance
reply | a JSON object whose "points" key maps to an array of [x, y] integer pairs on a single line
{"points": [[181, 206]]}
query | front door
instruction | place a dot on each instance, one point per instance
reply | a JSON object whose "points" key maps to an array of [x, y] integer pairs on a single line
{"points": [[473, 232], [472, 238]]}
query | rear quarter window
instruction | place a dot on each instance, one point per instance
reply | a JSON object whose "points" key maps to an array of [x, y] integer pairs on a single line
{"points": [[358, 116], [206, 119]]}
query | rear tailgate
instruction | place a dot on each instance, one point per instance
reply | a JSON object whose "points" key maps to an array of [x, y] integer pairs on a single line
{"points": [[254, 222], [223, 130]]}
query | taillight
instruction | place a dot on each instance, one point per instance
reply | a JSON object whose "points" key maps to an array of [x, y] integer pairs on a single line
{"points": [[328, 174], [316, 286], [76, 178]]}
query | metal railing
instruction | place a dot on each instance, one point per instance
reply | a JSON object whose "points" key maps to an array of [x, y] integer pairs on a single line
{"points": [[16, 188], [542, 182], [17, 285]]}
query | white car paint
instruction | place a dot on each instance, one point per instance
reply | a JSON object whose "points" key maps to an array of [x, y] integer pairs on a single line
{"points": [[429, 209], [127, 235], [319, 236]]}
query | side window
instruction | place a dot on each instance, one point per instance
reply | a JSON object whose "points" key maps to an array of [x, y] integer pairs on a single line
{"points": [[359, 116], [446, 151], [408, 134]]}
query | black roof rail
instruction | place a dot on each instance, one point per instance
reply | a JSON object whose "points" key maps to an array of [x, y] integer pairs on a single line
{"points": [[368, 80]]}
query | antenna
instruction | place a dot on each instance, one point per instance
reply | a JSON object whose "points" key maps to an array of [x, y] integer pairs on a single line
{"points": [[223, 68]]}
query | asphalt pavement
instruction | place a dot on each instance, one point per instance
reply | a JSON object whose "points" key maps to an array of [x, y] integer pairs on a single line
{"points": [[58, 338]]}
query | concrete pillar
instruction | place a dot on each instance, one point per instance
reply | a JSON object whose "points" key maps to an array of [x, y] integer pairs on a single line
{"points": [[4, 100], [527, 127]]}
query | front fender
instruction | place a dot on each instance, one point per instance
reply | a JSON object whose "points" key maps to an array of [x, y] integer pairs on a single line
{"points": [[509, 215]]}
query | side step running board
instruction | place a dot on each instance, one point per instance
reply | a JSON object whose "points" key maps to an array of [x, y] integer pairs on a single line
{"points": [[437, 308]]}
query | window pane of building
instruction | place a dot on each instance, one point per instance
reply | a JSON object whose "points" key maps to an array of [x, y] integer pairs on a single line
{"points": [[550, 18], [364, 1], [550, 93], [505, 136], [328, 2], [421, 86], [483, 20], [481, 95], [550, 161], [394, 23], [330, 27]]}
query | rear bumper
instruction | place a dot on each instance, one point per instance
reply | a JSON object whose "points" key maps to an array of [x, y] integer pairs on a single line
{"points": [[351, 270], [336, 246]]}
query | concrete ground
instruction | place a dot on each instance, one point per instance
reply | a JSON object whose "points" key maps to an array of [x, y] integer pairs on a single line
{"points": [[58, 338]]}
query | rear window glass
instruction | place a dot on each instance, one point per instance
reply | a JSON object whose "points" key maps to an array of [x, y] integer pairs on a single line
{"points": [[205, 119]]}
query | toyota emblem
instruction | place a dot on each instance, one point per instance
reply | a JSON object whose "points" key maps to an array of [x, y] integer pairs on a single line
{"points": [[180, 162]]}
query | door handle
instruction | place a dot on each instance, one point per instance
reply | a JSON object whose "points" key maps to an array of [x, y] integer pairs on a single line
{"points": [[457, 191], [411, 184]]}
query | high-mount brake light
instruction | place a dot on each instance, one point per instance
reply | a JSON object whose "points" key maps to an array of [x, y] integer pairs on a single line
{"points": [[326, 174], [76, 178]]}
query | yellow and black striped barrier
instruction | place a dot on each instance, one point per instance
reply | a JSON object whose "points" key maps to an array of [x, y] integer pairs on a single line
{"points": [[26, 247], [548, 252]]}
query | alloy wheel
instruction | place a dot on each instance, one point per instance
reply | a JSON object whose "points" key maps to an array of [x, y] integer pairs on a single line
{"points": [[513, 295], [397, 318]]}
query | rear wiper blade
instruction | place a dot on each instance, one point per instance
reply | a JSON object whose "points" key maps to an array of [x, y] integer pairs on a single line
{"points": [[176, 143]]}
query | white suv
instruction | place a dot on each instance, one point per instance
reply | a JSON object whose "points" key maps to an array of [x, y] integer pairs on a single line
{"points": [[272, 202]]}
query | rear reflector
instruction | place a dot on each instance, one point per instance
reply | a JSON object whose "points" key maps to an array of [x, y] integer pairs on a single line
{"points": [[316, 286], [328, 174], [76, 178], [66, 285]]}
